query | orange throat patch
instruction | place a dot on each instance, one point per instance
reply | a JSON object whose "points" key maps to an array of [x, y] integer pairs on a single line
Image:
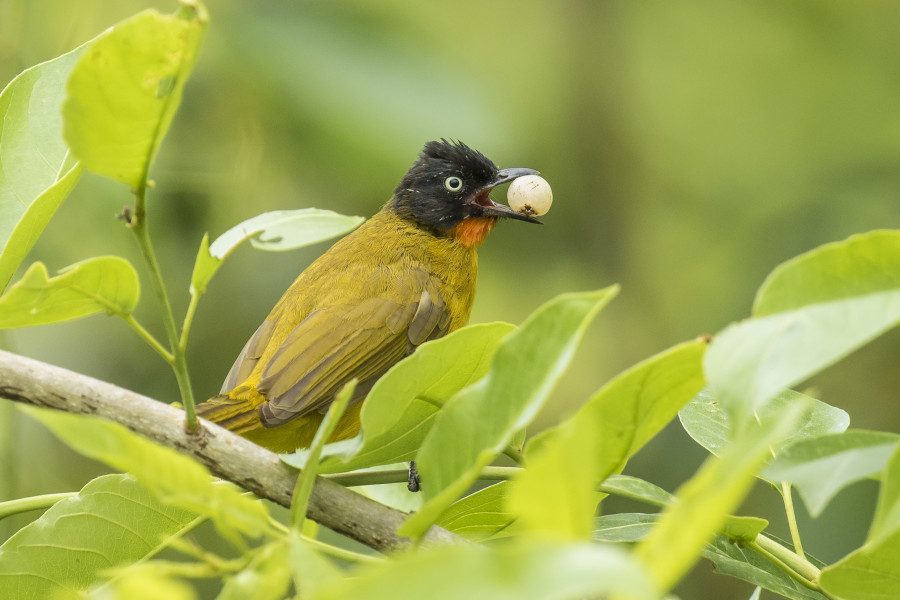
{"points": [[472, 231]]}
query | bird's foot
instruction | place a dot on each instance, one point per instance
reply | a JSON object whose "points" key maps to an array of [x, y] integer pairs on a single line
{"points": [[413, 483]]}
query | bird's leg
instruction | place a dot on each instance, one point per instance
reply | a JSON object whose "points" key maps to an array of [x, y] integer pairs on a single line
{"points": [[412, 483]]}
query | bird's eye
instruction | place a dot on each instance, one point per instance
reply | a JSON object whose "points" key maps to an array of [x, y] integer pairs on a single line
{"points": [[453, 183]]}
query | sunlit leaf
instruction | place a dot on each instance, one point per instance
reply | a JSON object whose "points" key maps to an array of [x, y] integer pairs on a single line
{"points": [[708, 423], [524, 571], [887, 513], [143, 584], [275, 231], [750, 362], [869, 573], [113, 521], [862, 264], [176, 479], [557, 490], [103, 284], [812, 311], [125, 89], [400, 409], [479, 421], [632, 408], [822, 466], [706, 499], [37, 173], [730, 558], [556, 495]]}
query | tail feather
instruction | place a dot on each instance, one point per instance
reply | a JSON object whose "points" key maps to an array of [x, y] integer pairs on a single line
{"points": [[235, 414]]}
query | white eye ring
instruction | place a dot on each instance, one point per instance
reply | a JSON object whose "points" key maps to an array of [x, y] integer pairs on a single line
{"points": [[453, 183]]}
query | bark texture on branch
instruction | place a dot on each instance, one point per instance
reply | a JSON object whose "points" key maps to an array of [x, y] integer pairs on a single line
{"points": [[227, 455]]}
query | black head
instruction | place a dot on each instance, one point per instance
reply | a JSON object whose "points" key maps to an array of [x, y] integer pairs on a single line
{"points": [[450, 183]]}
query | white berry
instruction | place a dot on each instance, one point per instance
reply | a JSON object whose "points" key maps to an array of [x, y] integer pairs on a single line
{"points": [[530, 195]]}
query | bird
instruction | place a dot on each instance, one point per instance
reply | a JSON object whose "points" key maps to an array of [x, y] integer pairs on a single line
{"points": [[406, 276]]}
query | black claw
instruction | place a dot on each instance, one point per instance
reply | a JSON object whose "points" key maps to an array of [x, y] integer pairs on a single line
{"points": [[125, 215], [413, 484]]}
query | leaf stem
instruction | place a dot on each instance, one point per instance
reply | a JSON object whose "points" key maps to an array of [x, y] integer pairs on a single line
{"points": [[21, 505], [341, 553], [791, 518], [357, 478], [148, 337], [188, 319], [216, 563], [138, 225], [801, 569], [514, 454]]}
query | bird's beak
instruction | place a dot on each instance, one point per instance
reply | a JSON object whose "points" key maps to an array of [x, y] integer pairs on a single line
{"points": [[489, 208]]}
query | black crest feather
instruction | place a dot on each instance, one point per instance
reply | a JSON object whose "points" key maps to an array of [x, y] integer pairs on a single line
{"points": [[421, 195]]}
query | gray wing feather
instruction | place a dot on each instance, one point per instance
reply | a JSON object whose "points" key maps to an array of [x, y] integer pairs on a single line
{"points": [[249, 356]]}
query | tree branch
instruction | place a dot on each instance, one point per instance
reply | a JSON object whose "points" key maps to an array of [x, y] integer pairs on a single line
{"points": [[227, 455]]}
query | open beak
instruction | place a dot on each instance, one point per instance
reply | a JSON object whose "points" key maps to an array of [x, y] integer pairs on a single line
{"points": [[489, 208]]}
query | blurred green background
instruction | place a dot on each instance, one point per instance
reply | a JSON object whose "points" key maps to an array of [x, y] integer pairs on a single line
{"points": [[691, 147]]}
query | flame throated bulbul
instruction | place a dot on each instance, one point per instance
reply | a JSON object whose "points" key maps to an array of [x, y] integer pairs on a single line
{"points": [[406, 276]]}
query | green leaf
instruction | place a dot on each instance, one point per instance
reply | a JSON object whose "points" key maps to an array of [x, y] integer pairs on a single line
{"points": [[627, 486], [624, 527], [734, 559], [143, 585], [176, 479], [267, 577], [862, 264], [632, 408], [822, 466], [479, 421], [37, 173], [736, 528], [869, 573], [401, 408], [113, 521], [102, 284], [705, 500], [708, 423], [812, 312], [309, 568], [557, 490], [887, 512], [480, 516], [556, 496], [275, 231], [556, 493], [750, 362], [743, 529], [518, 440], [521, 571], [125, 89]]}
